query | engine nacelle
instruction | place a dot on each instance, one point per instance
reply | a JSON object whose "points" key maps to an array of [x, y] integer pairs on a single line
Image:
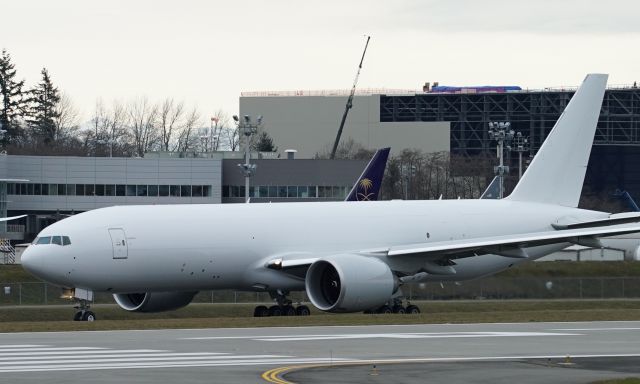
{"points": [[153, 301], [349, 283]]}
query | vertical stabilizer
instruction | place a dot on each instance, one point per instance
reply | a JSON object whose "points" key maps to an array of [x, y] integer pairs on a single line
{"points": [[368, 184], [556, 174]]}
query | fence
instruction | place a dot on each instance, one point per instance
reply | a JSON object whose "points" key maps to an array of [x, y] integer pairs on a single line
{"points": [[36, 293]]}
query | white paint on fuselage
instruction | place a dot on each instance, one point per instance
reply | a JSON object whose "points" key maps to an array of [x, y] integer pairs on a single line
{"points": [[198, 247]]}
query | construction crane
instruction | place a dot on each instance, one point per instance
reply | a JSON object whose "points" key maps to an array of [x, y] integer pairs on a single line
{"points": [[349, 102]]}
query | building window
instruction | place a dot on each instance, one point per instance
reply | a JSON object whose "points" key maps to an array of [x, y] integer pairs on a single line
{"points": [[141, 190], [303, 191], [163, 190], [225, 191], [121, 190], [196, 191], [185, 191], [109, 190], [152, 190], [89, 190], [79, 189], [131, 190], [62, 189], [174, 191], [292, 191], [99, 189], [206, 190], [71, 189]]}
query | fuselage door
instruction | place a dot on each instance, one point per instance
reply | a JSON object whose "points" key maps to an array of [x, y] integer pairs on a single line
{"points": [[119, 243]]}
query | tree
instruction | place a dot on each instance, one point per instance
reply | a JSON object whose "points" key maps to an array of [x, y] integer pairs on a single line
{"points": [[43, 108], [12, 106], [66, 120], [170, 119], [187, 136], [142, 119], [264, 143]]}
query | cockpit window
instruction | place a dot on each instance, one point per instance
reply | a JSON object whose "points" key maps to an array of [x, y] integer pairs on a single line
{"points": [[58, 240]]}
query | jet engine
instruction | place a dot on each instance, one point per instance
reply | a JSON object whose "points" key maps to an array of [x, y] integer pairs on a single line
{"points": [[153, 301], [349, 283]]}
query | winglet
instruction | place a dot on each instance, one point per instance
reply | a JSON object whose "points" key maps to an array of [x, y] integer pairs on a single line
{"points": [[556, 174], [368, 184]]}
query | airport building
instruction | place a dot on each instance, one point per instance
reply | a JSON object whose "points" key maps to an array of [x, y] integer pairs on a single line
{"points": [[455, 120]]}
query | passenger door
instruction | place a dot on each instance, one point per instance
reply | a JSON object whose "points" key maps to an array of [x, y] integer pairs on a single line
{"points": [[119, 243]]}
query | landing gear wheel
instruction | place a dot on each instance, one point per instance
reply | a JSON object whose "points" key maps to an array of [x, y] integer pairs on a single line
{"points": [[77, 316], [261, 311], [303, 310], [275, 310], [88, 316], [385, 309], [399, 309], [288, 310], [413, 310]]}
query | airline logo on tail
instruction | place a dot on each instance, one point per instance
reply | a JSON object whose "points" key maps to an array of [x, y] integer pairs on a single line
{"points": [[363, 190]]}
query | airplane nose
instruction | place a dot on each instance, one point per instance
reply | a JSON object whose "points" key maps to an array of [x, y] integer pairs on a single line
{"points": [[32, 261]]}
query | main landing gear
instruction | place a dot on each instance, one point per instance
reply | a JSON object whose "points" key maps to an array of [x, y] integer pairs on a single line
{"points": [[396, 306], [284, 307]]}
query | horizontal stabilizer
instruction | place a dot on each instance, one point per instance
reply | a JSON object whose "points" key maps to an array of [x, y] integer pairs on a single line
{"points": [[615, 219]]}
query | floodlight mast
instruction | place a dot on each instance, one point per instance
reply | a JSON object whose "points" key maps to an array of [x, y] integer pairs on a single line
{"points": [[247, 128], [349, 103], [503, 134]]}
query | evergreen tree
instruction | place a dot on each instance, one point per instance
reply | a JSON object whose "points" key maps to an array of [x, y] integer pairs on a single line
{"points": [[12, 104], [264, 143], [43, 100]]}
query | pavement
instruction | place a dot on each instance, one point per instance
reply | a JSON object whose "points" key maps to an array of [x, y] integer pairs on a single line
{"points": [[437, 353]]}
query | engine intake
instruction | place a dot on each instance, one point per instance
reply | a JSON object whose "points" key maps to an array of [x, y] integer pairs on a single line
{"points": [[349, 283], [153, 301]]}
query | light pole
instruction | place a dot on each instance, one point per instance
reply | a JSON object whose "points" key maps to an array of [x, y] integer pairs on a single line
{"points": [[247, 128], [503, 134], [521, 144]]}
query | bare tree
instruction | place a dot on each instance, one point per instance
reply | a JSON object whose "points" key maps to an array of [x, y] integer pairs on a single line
{"points": [[66, 120], [170, 120], [143, 125], [187, 135]]}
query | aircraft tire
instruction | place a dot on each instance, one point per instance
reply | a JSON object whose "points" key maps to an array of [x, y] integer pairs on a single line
{"points": [[413, 310], [288, 310], [275, 310], [385, 310], [303, 310], [399, 309], [88, 316], [261, 311]]}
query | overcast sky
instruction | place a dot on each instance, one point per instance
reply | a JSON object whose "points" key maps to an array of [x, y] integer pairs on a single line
{"points": [[207, 52]]}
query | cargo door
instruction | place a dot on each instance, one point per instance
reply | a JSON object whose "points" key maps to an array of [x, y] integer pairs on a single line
{"points": [[119, 243]]}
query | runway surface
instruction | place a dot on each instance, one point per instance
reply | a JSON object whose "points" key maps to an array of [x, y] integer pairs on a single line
{"points": [[470, 352]]}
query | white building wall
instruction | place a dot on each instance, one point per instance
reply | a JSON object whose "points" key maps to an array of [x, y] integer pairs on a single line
{"points": [[310, 124]]}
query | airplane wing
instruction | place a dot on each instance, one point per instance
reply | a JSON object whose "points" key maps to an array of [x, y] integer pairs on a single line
{"points": [[509, 245], [12, 218]]}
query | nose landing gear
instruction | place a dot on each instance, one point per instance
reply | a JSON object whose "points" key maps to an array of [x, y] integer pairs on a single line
{"points": [[83, 299]]}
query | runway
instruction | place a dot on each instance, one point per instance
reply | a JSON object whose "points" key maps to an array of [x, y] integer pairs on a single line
{"points": [[440, 352]]}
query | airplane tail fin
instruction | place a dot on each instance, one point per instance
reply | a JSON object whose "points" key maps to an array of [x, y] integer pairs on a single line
{"points": [[556, 174], [368, 184]]}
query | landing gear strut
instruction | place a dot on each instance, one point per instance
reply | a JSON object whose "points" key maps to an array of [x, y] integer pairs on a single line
{"points": [[283, 307]]}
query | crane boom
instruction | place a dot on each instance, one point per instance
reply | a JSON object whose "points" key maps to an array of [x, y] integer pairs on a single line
{"points": [[349, 102]]}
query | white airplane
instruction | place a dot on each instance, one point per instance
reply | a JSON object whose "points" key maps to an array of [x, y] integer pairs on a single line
{"points": [[347, 257]]}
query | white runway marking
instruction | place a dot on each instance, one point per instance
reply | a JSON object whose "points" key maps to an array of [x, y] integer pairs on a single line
{"points": [[32, 358], [412, 335], [595, 329]]}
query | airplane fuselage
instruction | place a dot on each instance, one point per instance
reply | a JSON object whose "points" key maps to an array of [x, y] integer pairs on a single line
{"points": [[200, 247]]}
